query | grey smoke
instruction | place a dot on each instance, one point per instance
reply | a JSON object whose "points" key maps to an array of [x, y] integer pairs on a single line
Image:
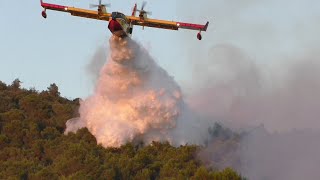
{"points": [[238, 93], [281, 156], [97, 61], [258, 66]]}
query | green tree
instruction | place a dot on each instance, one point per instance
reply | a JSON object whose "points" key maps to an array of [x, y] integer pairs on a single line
{"points": [[201, 174], [16, 84], [53, 90], [33, 146], [3, 86]]}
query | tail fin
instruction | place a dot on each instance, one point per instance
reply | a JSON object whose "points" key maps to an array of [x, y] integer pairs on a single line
{"points": [[134, 10], [205, 26]]}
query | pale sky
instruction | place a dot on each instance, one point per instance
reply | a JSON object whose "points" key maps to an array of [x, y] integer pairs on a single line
{"points": [[57, 49]]}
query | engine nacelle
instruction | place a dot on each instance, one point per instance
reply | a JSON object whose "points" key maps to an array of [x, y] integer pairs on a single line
{"points": [[44, 14], [199, 36]]}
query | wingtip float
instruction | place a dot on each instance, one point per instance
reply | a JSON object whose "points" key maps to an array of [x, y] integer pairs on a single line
{"points": [[120, 24]]}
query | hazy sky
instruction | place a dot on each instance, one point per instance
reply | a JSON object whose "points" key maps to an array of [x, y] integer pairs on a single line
{"points": [[57, 49]]}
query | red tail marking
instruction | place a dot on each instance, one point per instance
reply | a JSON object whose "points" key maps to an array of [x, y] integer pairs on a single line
{"points": [[134, 10], [193, 26]]}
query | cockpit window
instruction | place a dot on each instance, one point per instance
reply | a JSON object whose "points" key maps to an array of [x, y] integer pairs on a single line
{"points": [[118, 15]]}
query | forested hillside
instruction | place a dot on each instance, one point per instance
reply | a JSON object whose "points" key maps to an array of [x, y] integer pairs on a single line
{"points": [[33, 146]]}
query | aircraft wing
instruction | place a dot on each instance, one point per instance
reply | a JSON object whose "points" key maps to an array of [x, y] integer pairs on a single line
{"points": [[133, 20], [155, 23], [75, 11]]}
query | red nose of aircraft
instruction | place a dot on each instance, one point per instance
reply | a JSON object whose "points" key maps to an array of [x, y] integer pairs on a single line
{"points": [[114, 26]]}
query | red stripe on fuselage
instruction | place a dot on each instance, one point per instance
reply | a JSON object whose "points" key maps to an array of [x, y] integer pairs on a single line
{"points": [[53, 6], [191, 26]]}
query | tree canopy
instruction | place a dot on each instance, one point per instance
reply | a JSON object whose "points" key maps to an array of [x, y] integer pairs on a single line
{"points": [[33, 146]]}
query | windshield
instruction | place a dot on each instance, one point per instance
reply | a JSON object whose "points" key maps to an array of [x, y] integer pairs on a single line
{"points": [[118, 15]]}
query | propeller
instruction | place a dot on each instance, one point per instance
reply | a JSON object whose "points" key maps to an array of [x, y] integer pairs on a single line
{"points": [[142, 11], [144, 3], [99, 5]]}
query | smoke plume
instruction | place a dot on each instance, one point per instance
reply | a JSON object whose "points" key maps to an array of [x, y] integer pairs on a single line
{"points": [[97, 61], [134, 100], [279, 111], [257, 70]]}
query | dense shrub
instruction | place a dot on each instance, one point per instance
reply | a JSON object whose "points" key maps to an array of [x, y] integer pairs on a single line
{"points": [[33, 146]]}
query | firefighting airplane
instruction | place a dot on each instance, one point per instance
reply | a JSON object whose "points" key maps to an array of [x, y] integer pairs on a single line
{"points": [[120, 24]]}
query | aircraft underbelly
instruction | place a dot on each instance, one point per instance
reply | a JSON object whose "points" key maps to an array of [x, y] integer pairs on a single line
{"points": [[117, 28], [120, 33]]}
